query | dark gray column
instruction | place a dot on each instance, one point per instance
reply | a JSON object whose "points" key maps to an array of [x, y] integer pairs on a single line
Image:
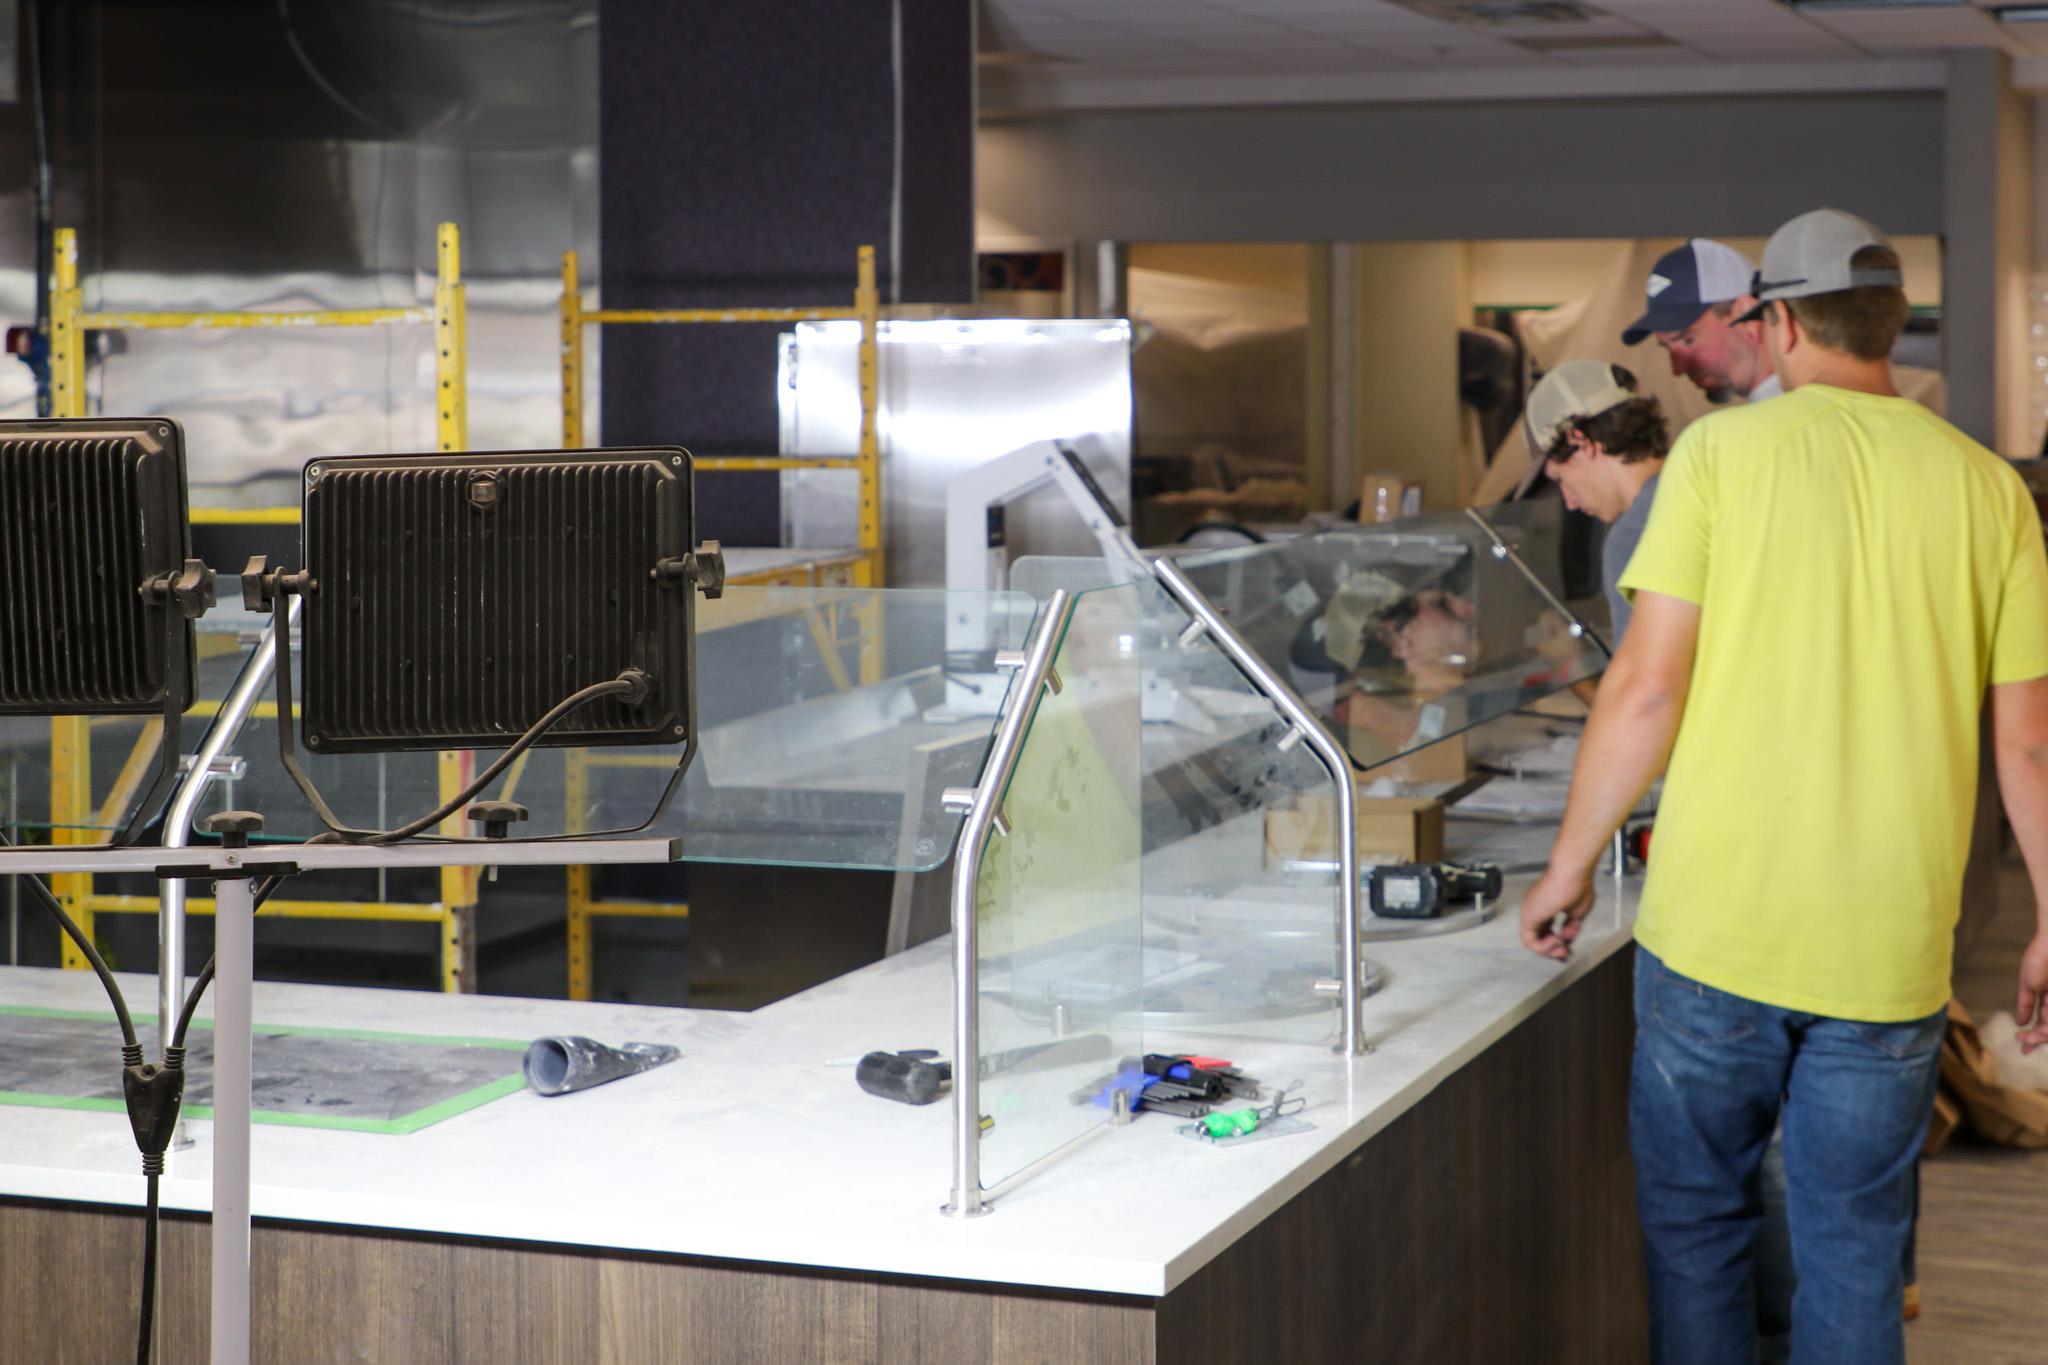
{"points": [[746, 152]]}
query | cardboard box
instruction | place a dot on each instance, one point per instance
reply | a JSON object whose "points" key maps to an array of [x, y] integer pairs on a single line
{"points": [[1388, 497], [1402, 828], [1447, 760]]}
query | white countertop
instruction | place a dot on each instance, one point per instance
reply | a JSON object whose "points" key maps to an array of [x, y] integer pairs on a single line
{"points": [[751, 1148]]}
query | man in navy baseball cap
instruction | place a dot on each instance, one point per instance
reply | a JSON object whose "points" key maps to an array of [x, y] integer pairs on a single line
{"points": [[1697, 296]]}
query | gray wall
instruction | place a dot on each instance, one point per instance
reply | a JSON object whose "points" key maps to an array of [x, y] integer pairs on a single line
{"points": [[1601, 168]]}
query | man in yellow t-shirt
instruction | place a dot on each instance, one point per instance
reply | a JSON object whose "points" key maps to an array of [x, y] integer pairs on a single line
{"points": [[1828, 585]]}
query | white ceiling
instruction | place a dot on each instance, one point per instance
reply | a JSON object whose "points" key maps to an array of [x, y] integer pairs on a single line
{"points": [[1102, 39]]}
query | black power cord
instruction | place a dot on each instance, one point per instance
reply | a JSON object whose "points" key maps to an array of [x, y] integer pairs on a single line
{"points": [[146, 1321], [154, 1092], [205, 977], [632, 684]]}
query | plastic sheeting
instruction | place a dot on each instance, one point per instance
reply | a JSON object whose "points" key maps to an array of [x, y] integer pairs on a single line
{"points": [[1219, 375]]}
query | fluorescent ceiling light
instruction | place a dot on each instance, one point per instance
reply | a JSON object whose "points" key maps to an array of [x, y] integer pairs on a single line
{"points": [[2021, 14]]}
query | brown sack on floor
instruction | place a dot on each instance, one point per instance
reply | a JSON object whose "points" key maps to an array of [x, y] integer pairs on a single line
{"points": [[2007, 1115], [1947, 1118]]}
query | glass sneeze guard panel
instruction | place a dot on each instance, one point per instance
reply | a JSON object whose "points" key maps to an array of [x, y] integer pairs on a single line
{"points": [[1407, 633], [1241, 908], [1061, 956], [830, 720]]}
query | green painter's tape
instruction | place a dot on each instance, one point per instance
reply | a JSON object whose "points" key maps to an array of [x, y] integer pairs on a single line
{"points": [[423, 1117], [29, 1097]]}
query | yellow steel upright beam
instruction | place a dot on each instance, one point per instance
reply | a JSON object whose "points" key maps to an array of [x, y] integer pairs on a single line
{"points": [[71, 810], [70, 814], [868, 574], [451, 339], [67, 345], [70, 737], [459, 886], [580, 899], [575, 819], [867, 301], [451, 431], [572, 354]]}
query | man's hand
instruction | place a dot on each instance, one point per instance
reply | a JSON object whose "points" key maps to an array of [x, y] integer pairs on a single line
{"points": [[1627, 740], [1569, 894], [2031, 1011]]}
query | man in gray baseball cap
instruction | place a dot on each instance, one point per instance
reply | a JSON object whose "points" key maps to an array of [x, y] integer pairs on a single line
{"points": [[1831, 587], [1826, 251]]}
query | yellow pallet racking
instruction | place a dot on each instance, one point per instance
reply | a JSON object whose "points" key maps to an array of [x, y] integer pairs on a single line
{"points": [[862, 569], [71, 807], [866, 309]]}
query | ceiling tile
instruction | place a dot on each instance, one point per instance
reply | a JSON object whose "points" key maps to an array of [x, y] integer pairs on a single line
{"points": [[1328, 34], [1913, 29]]}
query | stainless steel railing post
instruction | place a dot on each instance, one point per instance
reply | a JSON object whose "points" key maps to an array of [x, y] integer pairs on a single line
{"points": [[983, 805], [1351, 1037]]}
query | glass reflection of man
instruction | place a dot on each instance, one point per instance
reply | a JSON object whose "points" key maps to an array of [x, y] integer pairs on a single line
{"points": [[1433, 635], [1435, 638]]}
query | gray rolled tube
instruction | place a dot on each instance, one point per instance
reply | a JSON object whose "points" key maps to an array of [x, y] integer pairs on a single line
{"points": [[562, 1064]]}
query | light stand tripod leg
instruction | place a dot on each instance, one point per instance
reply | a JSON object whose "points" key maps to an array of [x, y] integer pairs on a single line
{"points": [[235, 963]]}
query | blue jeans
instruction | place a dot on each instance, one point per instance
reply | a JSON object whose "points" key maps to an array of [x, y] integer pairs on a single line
{"points": [[1714, 1074], [1774, 1275]]}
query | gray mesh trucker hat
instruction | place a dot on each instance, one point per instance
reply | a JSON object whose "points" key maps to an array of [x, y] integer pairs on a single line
{"points": [[1811, 254], [1572, 392]]}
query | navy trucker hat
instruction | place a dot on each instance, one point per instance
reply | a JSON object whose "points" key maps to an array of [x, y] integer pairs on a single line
{"points": [[1685, 282]]}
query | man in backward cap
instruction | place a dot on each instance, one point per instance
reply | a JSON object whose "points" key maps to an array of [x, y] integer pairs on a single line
{"points": [[1699, 304], [1829, 584], [1604, 443]]}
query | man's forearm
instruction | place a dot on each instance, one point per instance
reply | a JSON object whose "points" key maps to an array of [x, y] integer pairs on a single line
{"points": [[2023, 785], [1634, 722]]}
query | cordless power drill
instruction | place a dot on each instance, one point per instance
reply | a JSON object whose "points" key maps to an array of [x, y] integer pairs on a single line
{"points": [[1426, 890]]}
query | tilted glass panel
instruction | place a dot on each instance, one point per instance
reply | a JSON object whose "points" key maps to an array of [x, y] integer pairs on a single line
{"points": [[1061, 956], [1240, 874], [1403, 634]]}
